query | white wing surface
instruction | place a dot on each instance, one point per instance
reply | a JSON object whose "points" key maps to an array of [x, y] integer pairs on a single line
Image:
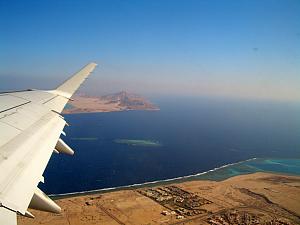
{"points": [[30, 127]]}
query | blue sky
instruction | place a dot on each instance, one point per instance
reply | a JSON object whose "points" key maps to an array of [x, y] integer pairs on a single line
{"points": [[244, 49]]}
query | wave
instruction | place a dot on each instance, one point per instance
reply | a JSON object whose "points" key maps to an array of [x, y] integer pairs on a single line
{"points": [[149, 182], [270, 161]]}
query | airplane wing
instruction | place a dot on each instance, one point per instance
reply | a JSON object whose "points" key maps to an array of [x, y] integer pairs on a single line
{"points": [[30, 129]]}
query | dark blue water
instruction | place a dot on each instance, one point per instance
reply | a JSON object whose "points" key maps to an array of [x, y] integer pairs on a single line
{"points": [[196, 135]]}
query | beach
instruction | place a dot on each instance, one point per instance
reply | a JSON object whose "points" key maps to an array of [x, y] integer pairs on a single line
{"points": [[266, 198]]}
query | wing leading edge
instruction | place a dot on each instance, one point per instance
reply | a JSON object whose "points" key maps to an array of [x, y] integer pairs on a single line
{"points": [[31, 124]]}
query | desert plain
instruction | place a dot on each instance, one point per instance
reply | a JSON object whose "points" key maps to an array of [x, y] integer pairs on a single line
{"points": [[259, 198]]}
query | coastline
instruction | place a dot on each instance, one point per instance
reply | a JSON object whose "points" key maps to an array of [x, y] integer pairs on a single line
{"points": [[146, 184], [244, 199], [202, 176], [103, 111]]}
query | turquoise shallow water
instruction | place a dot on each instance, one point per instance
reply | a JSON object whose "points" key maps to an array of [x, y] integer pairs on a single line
{"points": [[284, 166], [271, 165]]}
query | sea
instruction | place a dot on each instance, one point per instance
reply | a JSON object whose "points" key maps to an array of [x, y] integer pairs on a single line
{"points": [[192, 138]]}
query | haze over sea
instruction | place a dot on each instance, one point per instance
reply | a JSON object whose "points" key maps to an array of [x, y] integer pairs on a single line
{"points": [[194, 135]]}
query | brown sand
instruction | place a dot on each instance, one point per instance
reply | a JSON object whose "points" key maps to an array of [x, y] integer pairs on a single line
{"points": [[84, 104], [259, 198], [110, 103]]}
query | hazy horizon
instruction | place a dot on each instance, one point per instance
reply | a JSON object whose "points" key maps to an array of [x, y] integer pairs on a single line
{"points": [[231, 49]]}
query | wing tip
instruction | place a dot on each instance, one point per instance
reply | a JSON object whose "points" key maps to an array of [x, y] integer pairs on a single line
{"points": [[94, 63], [68, 87]]}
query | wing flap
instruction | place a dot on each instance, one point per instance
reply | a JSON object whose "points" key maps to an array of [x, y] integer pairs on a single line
{"points": [[24, 159], [24, 116], [8, 217], [8, 102], [10, 133]]}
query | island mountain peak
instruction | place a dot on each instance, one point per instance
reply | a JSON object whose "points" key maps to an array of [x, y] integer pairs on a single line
{"points": [[121, 95]]}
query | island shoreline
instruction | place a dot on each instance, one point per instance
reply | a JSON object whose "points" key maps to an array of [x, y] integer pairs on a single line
{"points": [[123, 110]]}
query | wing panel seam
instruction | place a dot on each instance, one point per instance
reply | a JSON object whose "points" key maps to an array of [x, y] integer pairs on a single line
{"points": [[15, 107]]}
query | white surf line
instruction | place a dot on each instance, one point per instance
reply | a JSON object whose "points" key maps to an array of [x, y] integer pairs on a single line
{"points": [[149, 182]]}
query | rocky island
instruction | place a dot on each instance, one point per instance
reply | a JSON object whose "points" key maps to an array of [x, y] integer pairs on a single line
{"points": [[120, 101]]}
